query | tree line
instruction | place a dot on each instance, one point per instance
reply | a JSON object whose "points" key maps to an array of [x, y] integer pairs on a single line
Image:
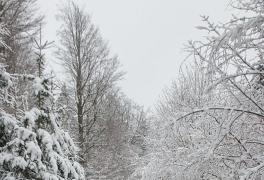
{"points": [[209, 123], [82, 127]]}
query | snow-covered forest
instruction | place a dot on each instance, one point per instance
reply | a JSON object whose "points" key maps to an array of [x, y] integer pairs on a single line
{"points": [[208, 124]]}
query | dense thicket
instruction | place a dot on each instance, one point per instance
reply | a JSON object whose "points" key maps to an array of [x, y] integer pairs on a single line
{"points": [[209, 123]]}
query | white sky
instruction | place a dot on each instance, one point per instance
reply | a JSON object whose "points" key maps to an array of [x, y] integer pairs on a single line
{"points": [[147, 35]]}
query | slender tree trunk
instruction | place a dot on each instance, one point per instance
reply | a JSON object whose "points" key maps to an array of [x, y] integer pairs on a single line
{"points": [[80, 117], [80, 123]]}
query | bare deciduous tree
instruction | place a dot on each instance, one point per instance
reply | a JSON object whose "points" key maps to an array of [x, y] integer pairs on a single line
{"points": [[23, 24], [93, 70]]}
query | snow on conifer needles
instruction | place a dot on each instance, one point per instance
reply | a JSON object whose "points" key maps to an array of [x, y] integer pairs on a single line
{"points": [[33, 146]]}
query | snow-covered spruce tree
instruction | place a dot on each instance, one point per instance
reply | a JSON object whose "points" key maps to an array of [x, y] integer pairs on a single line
{"points": [[35, 147]]}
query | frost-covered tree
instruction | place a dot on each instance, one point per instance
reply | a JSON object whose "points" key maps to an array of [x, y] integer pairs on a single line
{"points": [[210, 122], [34, 146], [232, 56], [22, 20], [92, 69]]}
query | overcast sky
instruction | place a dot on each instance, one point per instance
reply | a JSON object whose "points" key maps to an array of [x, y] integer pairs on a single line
{"points": [[147, 35]]}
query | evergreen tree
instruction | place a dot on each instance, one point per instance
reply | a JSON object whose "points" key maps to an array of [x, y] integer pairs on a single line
{"points": [[35, 147]]}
